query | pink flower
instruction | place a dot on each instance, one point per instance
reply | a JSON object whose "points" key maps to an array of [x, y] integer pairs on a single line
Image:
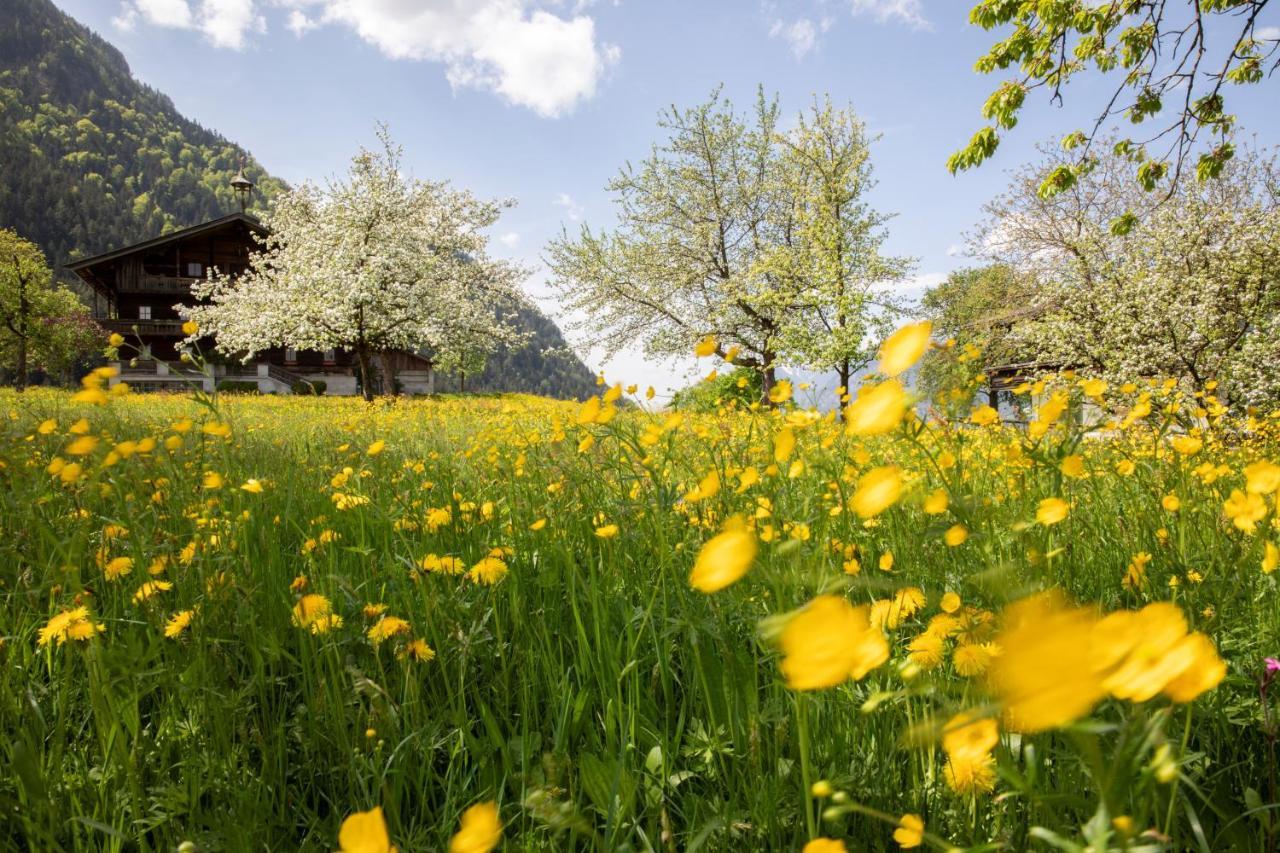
{"points": [[1273, 665]]}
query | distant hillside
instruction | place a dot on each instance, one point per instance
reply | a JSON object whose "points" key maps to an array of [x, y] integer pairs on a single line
{"points": [[91, 159]]}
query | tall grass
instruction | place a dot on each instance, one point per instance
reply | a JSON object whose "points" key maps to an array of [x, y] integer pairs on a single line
{"points": [[597, 697]]}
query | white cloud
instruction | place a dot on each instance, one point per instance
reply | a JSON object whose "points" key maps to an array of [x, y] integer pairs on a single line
{"points": [[529, 55], [801, 35], [299, 23], [225, 23], [511, 239], [954, 250], [1267, 34], [906, 11], [572, 209]]}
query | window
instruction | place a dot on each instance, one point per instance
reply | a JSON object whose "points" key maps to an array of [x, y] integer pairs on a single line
{"points": [[146, 351], [195, 269], [290, 354], [330, 356], [144, 312]]}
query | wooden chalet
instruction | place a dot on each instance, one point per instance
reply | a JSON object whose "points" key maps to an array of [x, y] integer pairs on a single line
{"points": [[139, 289]]}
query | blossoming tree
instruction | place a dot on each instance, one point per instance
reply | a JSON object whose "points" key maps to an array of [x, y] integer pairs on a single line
{"points": [[374, 263]]}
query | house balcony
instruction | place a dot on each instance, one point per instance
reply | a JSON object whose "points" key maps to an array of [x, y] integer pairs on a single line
{"points": [[159, 284], [154, 328]]}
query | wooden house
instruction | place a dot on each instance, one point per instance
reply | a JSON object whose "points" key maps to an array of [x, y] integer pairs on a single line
{"points": [[138, 290]]}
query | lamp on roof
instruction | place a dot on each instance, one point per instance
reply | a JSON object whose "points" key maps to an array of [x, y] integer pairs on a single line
{"points": [[243, 186]]}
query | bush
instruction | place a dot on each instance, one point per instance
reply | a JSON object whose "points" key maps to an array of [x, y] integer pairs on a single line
{"points": [[232, 386], [306, 388]]}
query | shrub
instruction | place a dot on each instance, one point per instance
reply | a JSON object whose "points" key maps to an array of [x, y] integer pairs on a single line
{"points": [[306, 388], [233, 386]]}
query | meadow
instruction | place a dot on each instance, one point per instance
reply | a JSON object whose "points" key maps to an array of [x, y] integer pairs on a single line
{"points": [[245, 623]]}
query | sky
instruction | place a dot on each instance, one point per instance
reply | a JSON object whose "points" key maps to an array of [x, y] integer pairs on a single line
{"points": [[543, 101]]}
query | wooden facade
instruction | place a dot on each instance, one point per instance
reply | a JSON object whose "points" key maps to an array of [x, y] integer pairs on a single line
{"points": [[141, 287]]}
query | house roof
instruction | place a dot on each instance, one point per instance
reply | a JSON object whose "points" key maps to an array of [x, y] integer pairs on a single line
{"points": [[212, 225]]}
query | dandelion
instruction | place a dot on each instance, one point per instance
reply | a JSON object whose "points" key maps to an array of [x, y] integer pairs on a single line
{"points": [[386, 628], [488, 571], [725, 558], [1270, 558], [971, 659], [984, 416], [376, 448], [82, 446], [73, 624], [955, 535], [607, 531], [252, 486], [178, 623], [480, 832], [705, 347], [780, 392], [418, 650], [936, 502], [824, 845], [950, 602], [1051, 511], [212, 481], [117, 568], [1262, 477], [149, 589], [927, 650]]}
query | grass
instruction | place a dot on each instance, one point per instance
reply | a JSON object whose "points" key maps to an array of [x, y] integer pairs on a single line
{"points": [[602, 702]]}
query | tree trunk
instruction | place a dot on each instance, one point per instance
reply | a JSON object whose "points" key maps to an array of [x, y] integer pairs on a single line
{"points": [[845, 369], [768, 378], [388, 373], [20, 380], [462, 381], [366, 379]]}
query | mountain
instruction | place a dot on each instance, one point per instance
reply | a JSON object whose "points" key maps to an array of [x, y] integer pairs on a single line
{"points": [[91, 159]]}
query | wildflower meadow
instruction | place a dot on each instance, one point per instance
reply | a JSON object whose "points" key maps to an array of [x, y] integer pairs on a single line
{"points": [[468, 623]]}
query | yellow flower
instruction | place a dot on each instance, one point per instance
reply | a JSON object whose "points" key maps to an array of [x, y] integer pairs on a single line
{"points": [[955, 535], [480, 832], [190, 327], [950, 602], [1262, 477], [984, 416], [150, 588], [311, 608], [1073, 466], [376, 448], [365, 832], [116, 339], [927, 650], [1270, 558], [969, 775], [1093, 387], [47, 426], [705, 347], [178, 623], [1045, 675], [212, 480], [910, 831], [74, 624], [784, 443], [707, 488], [971, 659], [780, 392], [936, 502], [829, 642], [607, 531], [968, 736], [824, 845], [903, 348], [877, 410], [386, 628], [539, 524], [252, 486], [1187, 445], [1245, 510], [488, 571], [82, 446], [418, 650], [1171, 503], [877, 490], [725, 558], [1051, 511], [118, 568]]}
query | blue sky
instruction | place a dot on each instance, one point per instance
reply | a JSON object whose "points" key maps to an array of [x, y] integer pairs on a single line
{"points": [[543, 101]]}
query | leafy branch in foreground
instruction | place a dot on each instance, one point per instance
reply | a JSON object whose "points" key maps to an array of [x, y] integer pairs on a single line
{"points": [[1173, 58]]}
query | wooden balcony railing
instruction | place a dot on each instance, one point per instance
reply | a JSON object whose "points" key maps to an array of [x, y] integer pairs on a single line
{"points": [[128, 328], [159, 284]]}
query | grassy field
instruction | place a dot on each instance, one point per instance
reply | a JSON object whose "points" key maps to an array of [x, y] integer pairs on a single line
{"points": [[237, 622]]}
